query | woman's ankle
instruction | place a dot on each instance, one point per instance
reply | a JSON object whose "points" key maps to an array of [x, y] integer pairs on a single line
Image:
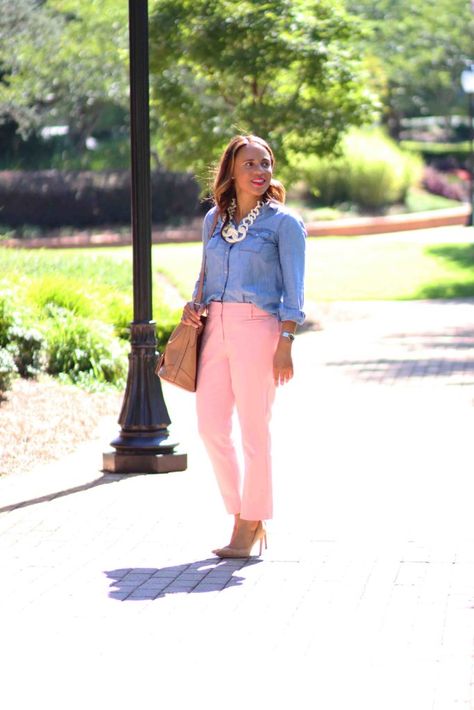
{"points": [[249, 524]]}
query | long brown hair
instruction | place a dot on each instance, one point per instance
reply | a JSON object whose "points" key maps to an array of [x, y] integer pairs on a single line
{"points": [[223, 189]]}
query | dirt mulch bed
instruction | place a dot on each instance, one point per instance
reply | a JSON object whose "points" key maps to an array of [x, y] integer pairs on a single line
{"points": [[43, 420]]}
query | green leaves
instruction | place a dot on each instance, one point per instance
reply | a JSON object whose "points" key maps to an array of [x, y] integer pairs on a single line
{"points": [[280, 69], [62, 61], [423, 46], [371, 172]]}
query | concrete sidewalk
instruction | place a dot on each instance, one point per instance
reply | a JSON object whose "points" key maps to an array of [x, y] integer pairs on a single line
{"points": [[110, 597]]}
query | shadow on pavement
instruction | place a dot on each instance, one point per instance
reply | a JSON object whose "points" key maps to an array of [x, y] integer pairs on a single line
{"points": [[208, 575], [460, 338], [392, 369], [103, 480]]}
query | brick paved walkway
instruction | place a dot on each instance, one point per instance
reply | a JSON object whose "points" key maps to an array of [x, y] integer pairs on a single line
{"points": [[110, 598]]}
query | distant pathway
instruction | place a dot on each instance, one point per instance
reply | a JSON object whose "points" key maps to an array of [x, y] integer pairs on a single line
{"points": [[390, 342]]}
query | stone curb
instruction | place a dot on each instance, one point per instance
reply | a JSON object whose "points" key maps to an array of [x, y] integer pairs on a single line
{"points": [[339, 227], [390, 223]]}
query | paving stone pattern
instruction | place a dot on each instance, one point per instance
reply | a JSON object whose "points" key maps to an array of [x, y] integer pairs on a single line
{"points": [[111, 598]]}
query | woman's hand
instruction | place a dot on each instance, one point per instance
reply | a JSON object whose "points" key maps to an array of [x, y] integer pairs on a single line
{"points": [[192, 314], [282, 362]]}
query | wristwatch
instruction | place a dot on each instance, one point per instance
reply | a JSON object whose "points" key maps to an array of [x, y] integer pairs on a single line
{"points": [[287, 334]]}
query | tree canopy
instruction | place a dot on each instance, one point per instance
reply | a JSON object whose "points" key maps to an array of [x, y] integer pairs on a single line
{"points": [[284, 69], [298, 72], [422, 47], [61, 61]]}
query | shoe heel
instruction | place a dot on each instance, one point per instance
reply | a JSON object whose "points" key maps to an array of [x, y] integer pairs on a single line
{"points": [[263, 539], [260, 536]]}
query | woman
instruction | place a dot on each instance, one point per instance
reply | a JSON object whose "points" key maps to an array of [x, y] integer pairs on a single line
{"points": [[253, 293]]}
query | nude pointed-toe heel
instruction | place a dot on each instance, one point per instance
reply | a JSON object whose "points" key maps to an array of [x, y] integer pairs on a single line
{"points": [[263, 539], [260, 536]]}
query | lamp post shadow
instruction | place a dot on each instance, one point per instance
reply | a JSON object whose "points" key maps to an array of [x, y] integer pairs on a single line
{"points": [[148, 583]]}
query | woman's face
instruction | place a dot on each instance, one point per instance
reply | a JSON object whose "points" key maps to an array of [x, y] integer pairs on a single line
{"points": [[252, 170]]}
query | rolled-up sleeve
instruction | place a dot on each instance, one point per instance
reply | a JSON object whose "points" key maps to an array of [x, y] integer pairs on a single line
{"points": [[292, 248]]}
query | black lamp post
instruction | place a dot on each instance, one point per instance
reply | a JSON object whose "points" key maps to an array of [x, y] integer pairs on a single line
{"points": [[143, 445], [467, 81]]}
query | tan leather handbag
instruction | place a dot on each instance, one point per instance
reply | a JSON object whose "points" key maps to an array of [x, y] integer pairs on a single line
{"points": [[178, 362]]}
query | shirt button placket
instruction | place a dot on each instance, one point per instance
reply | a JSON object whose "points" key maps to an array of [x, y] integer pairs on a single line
{"points": [[226, 270]]}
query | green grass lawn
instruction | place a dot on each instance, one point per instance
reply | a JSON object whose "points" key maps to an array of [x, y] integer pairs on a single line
{"points": [[98, 279], [352, 268], [338, 268], [80, 301]]}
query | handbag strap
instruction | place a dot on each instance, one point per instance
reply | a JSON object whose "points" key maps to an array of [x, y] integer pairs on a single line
{"points": [[198, 298]]}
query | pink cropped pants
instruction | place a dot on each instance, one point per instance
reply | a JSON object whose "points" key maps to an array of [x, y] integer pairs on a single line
{"points": [[236, 370]]}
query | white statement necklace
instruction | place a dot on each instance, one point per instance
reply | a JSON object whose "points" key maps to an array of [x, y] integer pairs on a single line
{"points": [[236, 234]]}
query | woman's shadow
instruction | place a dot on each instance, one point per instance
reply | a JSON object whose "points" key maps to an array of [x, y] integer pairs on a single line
{"points": [[150, 583]]}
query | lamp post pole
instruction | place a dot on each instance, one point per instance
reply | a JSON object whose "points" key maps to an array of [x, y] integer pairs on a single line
{"points": [[143, 445], [467, 82]]}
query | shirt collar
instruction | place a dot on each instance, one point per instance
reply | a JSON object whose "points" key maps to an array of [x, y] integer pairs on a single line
{"points": [[273, 204]]}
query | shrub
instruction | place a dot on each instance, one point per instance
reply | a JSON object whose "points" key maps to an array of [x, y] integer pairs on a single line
{"points": [[27, 347], [7, 369], [24, 345], [166, 322], [120, 314], [119, 310], [380, 173], [371, 172], [53, 198], [7, 318], [62, 291], [77, 345], [441, 184], [441, 156]]}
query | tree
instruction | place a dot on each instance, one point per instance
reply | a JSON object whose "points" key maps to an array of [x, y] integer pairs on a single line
{"points": [[62, 61], [284, 69], [423, 45], [24, 26]]}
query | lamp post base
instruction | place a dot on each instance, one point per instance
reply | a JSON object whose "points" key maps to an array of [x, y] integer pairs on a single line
{"points": [[144, 444], [115, 462]]}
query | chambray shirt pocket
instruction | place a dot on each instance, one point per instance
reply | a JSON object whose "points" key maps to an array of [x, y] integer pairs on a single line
{"points": [[262, 243]]}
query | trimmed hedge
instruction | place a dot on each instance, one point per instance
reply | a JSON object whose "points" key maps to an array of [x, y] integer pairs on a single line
{"points": [[53, 198], [441, 156]]}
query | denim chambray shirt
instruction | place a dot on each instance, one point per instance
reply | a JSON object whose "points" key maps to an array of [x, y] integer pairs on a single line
{"points": [[266, 268]]}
